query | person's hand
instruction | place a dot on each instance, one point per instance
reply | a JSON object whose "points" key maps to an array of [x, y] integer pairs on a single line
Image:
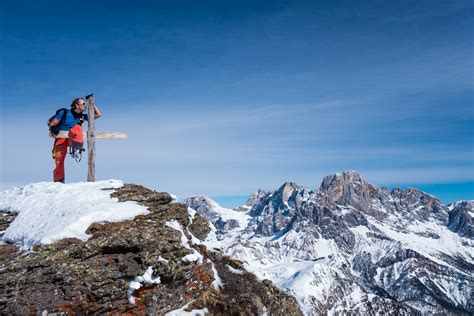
{"points": [[90, 99]]}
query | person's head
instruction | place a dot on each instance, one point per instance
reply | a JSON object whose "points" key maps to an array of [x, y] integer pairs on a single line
{"points": [[78, 105]]}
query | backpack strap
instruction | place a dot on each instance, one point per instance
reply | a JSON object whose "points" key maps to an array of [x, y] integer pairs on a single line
{"points": [[64, 115], [56, 128]]}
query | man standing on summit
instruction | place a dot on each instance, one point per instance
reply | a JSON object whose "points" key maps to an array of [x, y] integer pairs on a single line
{"points": [[71, 121]]}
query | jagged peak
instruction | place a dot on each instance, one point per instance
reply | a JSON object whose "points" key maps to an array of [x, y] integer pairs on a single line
{"points": [[287, 189], [255, 197], [288, 185], [337, 181], [350, 189]]}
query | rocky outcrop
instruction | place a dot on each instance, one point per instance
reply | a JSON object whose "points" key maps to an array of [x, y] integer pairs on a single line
{"points": [[5, 219], [94, 276]]}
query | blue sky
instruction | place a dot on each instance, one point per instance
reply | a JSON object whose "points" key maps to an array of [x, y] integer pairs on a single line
{"points": [[223, 97]]}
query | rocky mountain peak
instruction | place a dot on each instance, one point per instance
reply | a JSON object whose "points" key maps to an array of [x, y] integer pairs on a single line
{"points": [[286, 190], [336, 182], [348, 188], [275, 210]]}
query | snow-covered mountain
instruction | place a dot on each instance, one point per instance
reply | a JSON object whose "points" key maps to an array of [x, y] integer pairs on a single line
{"points": [[354, 247]]}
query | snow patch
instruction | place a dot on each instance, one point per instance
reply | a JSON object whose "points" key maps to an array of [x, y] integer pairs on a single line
{"points": [[177, 226], [233, 270], [217, 283], [192, 257], [191, 213], [174, 199], [137, 283], [50, 211], [185, 243]]}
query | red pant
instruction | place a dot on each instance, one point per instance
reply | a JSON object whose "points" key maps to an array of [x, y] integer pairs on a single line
{"points": [[59, 154], [60, 151]]}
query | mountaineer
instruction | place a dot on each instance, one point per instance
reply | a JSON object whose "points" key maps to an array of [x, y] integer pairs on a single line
{"points": [[71, 121]]}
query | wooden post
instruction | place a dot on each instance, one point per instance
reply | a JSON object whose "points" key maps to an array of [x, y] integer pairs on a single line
{"points": [[90, 141]]}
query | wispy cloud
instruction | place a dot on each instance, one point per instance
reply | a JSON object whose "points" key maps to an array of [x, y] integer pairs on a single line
{"points": [[169, 121]]}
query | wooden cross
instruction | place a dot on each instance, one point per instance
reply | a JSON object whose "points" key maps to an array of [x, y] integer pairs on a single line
{"points": [[91, 135]]}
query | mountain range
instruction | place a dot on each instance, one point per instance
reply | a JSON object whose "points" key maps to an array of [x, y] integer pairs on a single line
{"points": [[351, 246]]}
